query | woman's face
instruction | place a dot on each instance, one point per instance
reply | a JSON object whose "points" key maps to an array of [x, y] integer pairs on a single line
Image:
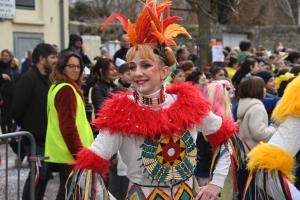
{"points": [[5, 57], [261, 66], [184, 55], [179, 77], [202, 81], [280, 64], [254, 69], [271, 84], [220, 75], [231, 91], [147, 76], [111, 73], [72, 69]]}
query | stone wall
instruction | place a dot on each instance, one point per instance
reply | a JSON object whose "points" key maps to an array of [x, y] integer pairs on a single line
{"points": [[267, 36]]}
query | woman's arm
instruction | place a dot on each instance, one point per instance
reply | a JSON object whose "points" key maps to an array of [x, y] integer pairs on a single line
{"points": [[66, 105], [258, 129], [217, 130], [95, 162]]}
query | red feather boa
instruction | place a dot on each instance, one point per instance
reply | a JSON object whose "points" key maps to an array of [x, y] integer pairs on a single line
{"points": [[227, 129], [86, 159], [122, 115]]}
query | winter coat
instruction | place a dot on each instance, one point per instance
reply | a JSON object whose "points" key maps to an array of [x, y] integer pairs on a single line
{"points": [[7, 87], [26, 65], [121, 53], [29, 107], [100, 92], [72, 40], [254, 122]]}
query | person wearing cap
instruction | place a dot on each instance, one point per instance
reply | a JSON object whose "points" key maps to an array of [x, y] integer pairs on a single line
{"points": [[270, 83], [104, 52]]}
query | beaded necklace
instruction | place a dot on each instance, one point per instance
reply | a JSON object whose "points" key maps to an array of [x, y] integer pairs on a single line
{"points": [[149, 101]]}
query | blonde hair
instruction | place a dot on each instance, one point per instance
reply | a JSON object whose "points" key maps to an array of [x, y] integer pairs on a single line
{"points": [[146, 52], [13, 61], [218, 92]]}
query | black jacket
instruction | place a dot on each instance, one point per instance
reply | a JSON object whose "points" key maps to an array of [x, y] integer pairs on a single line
{"points": [[73, 38], [204, 153], [26, 65], [7, 87], [100, 92], [121, 53], [29, 107], [89, 82]]}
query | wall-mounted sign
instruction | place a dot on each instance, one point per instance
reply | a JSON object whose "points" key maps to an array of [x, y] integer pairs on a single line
{"points": [[7, 9]]}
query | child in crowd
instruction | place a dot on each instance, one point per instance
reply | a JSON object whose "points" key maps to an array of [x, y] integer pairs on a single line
{"points": [[124, 77], [178, 76]]}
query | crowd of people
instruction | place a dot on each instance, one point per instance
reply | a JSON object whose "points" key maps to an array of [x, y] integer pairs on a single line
{"points": [[143, 123]]}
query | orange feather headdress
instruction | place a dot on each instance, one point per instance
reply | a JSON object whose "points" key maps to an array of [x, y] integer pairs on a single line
{"points": [[150, 27]]}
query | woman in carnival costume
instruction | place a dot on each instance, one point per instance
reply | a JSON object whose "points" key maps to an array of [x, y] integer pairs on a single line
{"points": [[154, 129], [271, 164]]}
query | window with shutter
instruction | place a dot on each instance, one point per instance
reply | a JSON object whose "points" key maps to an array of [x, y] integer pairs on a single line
{"points": [[25, 4]]}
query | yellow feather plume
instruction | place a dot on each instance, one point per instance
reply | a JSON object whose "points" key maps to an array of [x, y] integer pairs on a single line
{"points": [[175, 29], [265, 156], [290, 102]]}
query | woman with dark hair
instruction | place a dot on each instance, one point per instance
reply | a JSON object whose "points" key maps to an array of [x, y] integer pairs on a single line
{"points": [[251, 112], [218, 73], [106, 72], [178, 76], [9, 75], [261, 63], [232, 66], [197, 78], [252, 119], [248, 67], [68, 130], [293, 58], [182, 54]]}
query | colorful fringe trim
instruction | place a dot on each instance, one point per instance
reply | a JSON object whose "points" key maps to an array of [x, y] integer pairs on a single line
{"points": [[257, 183], [265, 156], [87, 191], [237, 157], [267, 162]]}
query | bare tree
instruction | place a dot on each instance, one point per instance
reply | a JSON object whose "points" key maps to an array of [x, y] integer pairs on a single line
{"points": [[286, 7]]}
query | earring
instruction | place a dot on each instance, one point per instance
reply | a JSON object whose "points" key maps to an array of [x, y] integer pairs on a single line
{"points": [[161, 94]]}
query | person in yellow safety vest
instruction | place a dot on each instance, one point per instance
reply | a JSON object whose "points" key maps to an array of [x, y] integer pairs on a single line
{"points": [[68, 130]]}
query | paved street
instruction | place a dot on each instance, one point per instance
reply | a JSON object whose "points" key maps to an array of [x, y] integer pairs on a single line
{"points": [[12, 178]]}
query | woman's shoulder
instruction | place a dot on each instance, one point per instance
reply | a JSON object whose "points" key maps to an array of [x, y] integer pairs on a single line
{"points": [[249, 106]]}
